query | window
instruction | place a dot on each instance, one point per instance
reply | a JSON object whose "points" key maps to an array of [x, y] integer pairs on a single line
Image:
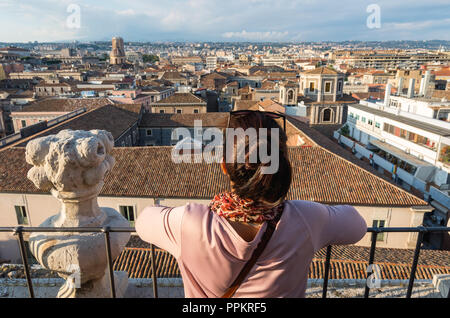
{"points": [[327, 87], [379, 223], [311, 86], [161, 111], [327, 115], [148, 132], [351, 115], [339, 86], [377, 125], [363, 119], [21, 214], [195, 111], [24, 123], [370, 122], [128, 213], [290, 95], [179, 111]]}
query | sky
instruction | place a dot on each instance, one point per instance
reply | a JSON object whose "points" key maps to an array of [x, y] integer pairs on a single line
{"points": [[224, 20]]}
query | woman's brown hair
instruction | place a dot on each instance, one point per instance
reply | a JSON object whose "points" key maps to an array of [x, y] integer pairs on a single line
{"points": [[247, 178]]}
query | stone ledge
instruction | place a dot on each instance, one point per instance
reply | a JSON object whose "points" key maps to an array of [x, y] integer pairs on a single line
{"points": [[173, 288], [442, 284]]}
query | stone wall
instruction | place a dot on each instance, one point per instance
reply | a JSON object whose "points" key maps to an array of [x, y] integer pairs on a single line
{"points": [[173, 288]]}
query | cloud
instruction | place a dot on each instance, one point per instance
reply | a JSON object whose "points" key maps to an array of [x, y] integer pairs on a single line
{"points": [[257, 36], [218, 20]]}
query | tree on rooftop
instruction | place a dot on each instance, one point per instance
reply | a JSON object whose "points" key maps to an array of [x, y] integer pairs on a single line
{"points": [[345, 131], [150, 58]]}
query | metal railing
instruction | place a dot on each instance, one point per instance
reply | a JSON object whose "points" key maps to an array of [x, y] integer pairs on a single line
{"points": [[18, 231]]}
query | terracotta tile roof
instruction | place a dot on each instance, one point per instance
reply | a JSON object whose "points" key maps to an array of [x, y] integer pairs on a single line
{"points": [[359, 188], [371, 95], [244, 104], [113, 118], [65, 104], [271, 106], [441, 94], [172, 76], [322, 70], [445, 71], [137, 262], [45, 84], [184, 120], [181, 98], [268, 84], [321, 140], [387, 255], [318, 175]]}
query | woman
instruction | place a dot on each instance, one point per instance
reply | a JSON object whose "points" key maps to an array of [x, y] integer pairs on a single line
{"points": [[212, 244]]}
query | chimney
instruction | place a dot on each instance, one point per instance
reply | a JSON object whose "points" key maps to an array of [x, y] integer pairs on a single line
{"points": [[400, 86], [421, 89], [426, 84], [412, 82], [387, 95]]}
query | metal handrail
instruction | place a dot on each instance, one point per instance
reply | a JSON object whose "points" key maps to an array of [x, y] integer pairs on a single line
{"points": [[19, 230]]}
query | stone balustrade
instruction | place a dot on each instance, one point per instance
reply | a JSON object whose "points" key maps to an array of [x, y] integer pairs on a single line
{"points": [[72, 166]]}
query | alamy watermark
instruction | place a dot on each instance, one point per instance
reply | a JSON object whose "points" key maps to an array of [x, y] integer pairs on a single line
{"points": [[374, 19], [73, 21], [374, 279], [191, 148], [74, 279]]}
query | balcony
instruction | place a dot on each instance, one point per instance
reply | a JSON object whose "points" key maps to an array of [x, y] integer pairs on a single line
{"points": [[84, 243], [155, 287]]}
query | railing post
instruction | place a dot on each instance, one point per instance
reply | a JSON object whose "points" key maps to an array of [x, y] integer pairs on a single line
{"points": [[154, 278], [415, 261], [23, 253], [110, 265], [327, 271], [371, 257]]}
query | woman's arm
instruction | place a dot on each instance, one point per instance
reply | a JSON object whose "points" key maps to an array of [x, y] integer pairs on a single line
{"points": [[334, 225], [161, 226]]}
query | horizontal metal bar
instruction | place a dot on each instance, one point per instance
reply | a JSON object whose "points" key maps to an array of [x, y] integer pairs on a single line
{"points": [[69, 229], [408, 229], [132, 229]]}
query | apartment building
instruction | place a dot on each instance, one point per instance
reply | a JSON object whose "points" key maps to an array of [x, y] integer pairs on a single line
{"points": [[179, 103], [407, 139], [160, 129]]}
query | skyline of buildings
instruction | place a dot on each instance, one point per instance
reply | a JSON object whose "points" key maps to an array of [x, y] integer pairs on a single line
{"points": [[367, 124]]}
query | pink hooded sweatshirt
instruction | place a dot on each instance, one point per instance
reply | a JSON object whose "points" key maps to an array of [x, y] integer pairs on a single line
{"points": [[210, 254]]}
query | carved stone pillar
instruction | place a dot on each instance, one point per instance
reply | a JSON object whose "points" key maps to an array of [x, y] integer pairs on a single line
{"points": [[72, 165]]}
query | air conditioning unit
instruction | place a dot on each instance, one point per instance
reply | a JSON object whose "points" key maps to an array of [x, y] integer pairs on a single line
{"points": [[407, 151], [420, 157]]}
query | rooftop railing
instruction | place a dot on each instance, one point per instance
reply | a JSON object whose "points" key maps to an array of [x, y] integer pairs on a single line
{"points": [[19, 231]]}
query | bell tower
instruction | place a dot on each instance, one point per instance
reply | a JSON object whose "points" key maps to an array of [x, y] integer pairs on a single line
{"points": [[288, 93]]}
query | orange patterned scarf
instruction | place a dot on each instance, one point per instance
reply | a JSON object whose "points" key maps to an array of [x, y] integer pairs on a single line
{"points": [[229, 205]]}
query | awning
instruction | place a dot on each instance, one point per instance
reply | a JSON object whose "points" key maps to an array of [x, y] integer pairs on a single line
{"points": [[400, 154]]}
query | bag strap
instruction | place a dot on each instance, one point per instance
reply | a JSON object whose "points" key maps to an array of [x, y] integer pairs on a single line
{"points": [[271, 225]]}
